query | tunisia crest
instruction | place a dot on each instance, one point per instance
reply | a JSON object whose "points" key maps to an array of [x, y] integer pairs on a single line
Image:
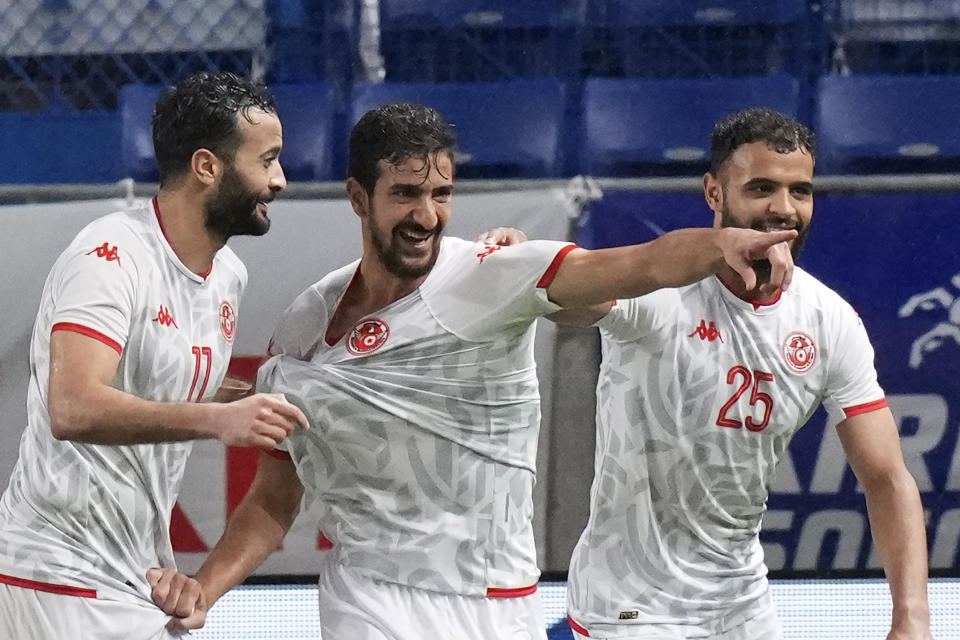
{"points": [[367, 336], [799, 351], [228, 321]]}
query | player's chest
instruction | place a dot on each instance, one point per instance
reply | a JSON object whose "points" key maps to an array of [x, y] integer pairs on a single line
{"points": [[404, 325]]}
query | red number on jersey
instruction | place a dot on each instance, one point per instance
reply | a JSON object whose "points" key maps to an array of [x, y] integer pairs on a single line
{"points": [[755, 396], [199, 354]]}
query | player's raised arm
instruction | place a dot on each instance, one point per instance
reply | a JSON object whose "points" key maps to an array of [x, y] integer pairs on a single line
{"points": [[85, 407], [674, 259]]}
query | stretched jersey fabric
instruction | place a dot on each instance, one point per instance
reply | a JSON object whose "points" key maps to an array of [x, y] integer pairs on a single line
{"points": [[93, 518], [699, 395], [424, 419]]}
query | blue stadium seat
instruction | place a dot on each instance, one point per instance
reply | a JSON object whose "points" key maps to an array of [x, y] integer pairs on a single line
{"points": [[418, 14], [135, 102], [504, 129], [888, 123], [693, 12], [306, 111], [660, 127]]}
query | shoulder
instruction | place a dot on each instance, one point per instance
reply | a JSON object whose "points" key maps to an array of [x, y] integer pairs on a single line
{"points": [[228, 260], [811, 291], [304, 322]]}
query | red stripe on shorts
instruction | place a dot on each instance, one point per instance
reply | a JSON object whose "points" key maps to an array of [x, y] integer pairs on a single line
{"points": [[519, 592], [573, 625], [47, 587]]}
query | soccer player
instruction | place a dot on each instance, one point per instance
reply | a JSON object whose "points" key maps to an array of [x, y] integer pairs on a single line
{"points": [[415, 367], [133, 337], [701, 389]]}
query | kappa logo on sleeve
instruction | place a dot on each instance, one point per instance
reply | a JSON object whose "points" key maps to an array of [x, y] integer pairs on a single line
{"points": [[367, 336], [108, 253], [487, 250]]}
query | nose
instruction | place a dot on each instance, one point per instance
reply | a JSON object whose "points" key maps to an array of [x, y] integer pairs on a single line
{"points": [[425, 212], [781, 203], [278, 181]]}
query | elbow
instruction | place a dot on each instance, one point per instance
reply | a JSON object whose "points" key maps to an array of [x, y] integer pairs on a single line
{"points": [[66, 421]]}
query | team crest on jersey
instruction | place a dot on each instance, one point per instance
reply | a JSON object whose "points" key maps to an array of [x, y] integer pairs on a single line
{"points": [[367, 336], [228, 321], [800, 351]]}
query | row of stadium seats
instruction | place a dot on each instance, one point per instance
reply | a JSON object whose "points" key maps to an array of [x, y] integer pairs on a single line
{"points": [[617, 127]]}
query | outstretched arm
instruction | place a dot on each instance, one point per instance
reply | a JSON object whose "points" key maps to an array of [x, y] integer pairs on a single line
{"points": [[255, 529], [674, 259], [872, 445]]}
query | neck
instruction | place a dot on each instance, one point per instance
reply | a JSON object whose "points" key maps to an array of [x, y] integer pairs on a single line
{"points": [[182, 217], [732, 280], [376, 287]]}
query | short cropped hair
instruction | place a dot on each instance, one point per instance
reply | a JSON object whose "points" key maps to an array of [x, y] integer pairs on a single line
{"points": [[201, 113], [779, 131], [395, 132]]}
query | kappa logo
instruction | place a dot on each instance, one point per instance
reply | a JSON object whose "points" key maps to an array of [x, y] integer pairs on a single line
{"points": [[800, 351], [707, 332], [487, 250], [228, 321], [165, 319], [107, 252], [367, 336]]}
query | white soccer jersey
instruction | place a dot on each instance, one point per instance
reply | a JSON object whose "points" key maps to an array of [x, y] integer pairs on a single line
{"points": [[699, 395], [91, 519], [424, 419]]}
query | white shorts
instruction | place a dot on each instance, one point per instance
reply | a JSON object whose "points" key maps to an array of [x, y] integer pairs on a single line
{"points": [[29, 614], [354, 607], [764, 626]]}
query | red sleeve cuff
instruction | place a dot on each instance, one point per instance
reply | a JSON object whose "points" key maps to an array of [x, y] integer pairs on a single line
{"points": [[87, 331], [551, 271], [279, 454], [859, 409]]}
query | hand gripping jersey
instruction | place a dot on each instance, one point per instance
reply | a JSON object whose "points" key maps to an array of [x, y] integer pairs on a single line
{"points": [[93, 518], [424, 419], [699, 395]]}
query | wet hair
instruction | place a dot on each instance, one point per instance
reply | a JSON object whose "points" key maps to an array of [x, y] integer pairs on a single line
{"points": [[395, 132], [201, 113], [780, 132]]}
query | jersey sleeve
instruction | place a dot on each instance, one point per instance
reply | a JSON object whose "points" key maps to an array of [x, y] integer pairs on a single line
{"points": [[636, 318], [301, 326], [852, 386], [95, 287], [487, 289]]}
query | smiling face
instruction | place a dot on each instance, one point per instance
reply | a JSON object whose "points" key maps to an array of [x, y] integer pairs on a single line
{"points": [[404, 217], [250, 180], [760, 188]]}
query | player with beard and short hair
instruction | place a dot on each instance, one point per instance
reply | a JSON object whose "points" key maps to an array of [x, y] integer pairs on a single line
{"points": [[701, 389], [415, 366], [131, 342]]}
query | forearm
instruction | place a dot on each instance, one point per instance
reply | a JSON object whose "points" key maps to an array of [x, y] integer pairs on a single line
{"points": [[897, 523], [674, 259], [100, 414], [254, 531]]}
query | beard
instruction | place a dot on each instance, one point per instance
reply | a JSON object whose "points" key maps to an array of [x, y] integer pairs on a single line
{"points": [[762, 267], [232, 210], [397, 258]]}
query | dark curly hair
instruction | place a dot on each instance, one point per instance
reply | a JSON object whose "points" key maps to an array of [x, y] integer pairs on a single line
{"points": [[201, 113], [782, 133], [395, 132]]}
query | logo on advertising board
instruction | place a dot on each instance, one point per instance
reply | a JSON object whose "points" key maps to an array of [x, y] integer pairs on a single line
{"points": [[946, 329]]}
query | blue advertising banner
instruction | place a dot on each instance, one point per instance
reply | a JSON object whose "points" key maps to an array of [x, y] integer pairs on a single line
{"points": [[896, 259]]}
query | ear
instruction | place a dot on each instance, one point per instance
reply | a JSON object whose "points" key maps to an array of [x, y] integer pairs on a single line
{"points": [[359, 198], [713, 194], [206, 166]]}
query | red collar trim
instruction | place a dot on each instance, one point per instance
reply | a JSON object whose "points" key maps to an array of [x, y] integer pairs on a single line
{"points": [[755, 303]]}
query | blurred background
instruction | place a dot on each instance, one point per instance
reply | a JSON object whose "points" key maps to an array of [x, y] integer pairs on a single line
{"points": [[586, 120]]}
